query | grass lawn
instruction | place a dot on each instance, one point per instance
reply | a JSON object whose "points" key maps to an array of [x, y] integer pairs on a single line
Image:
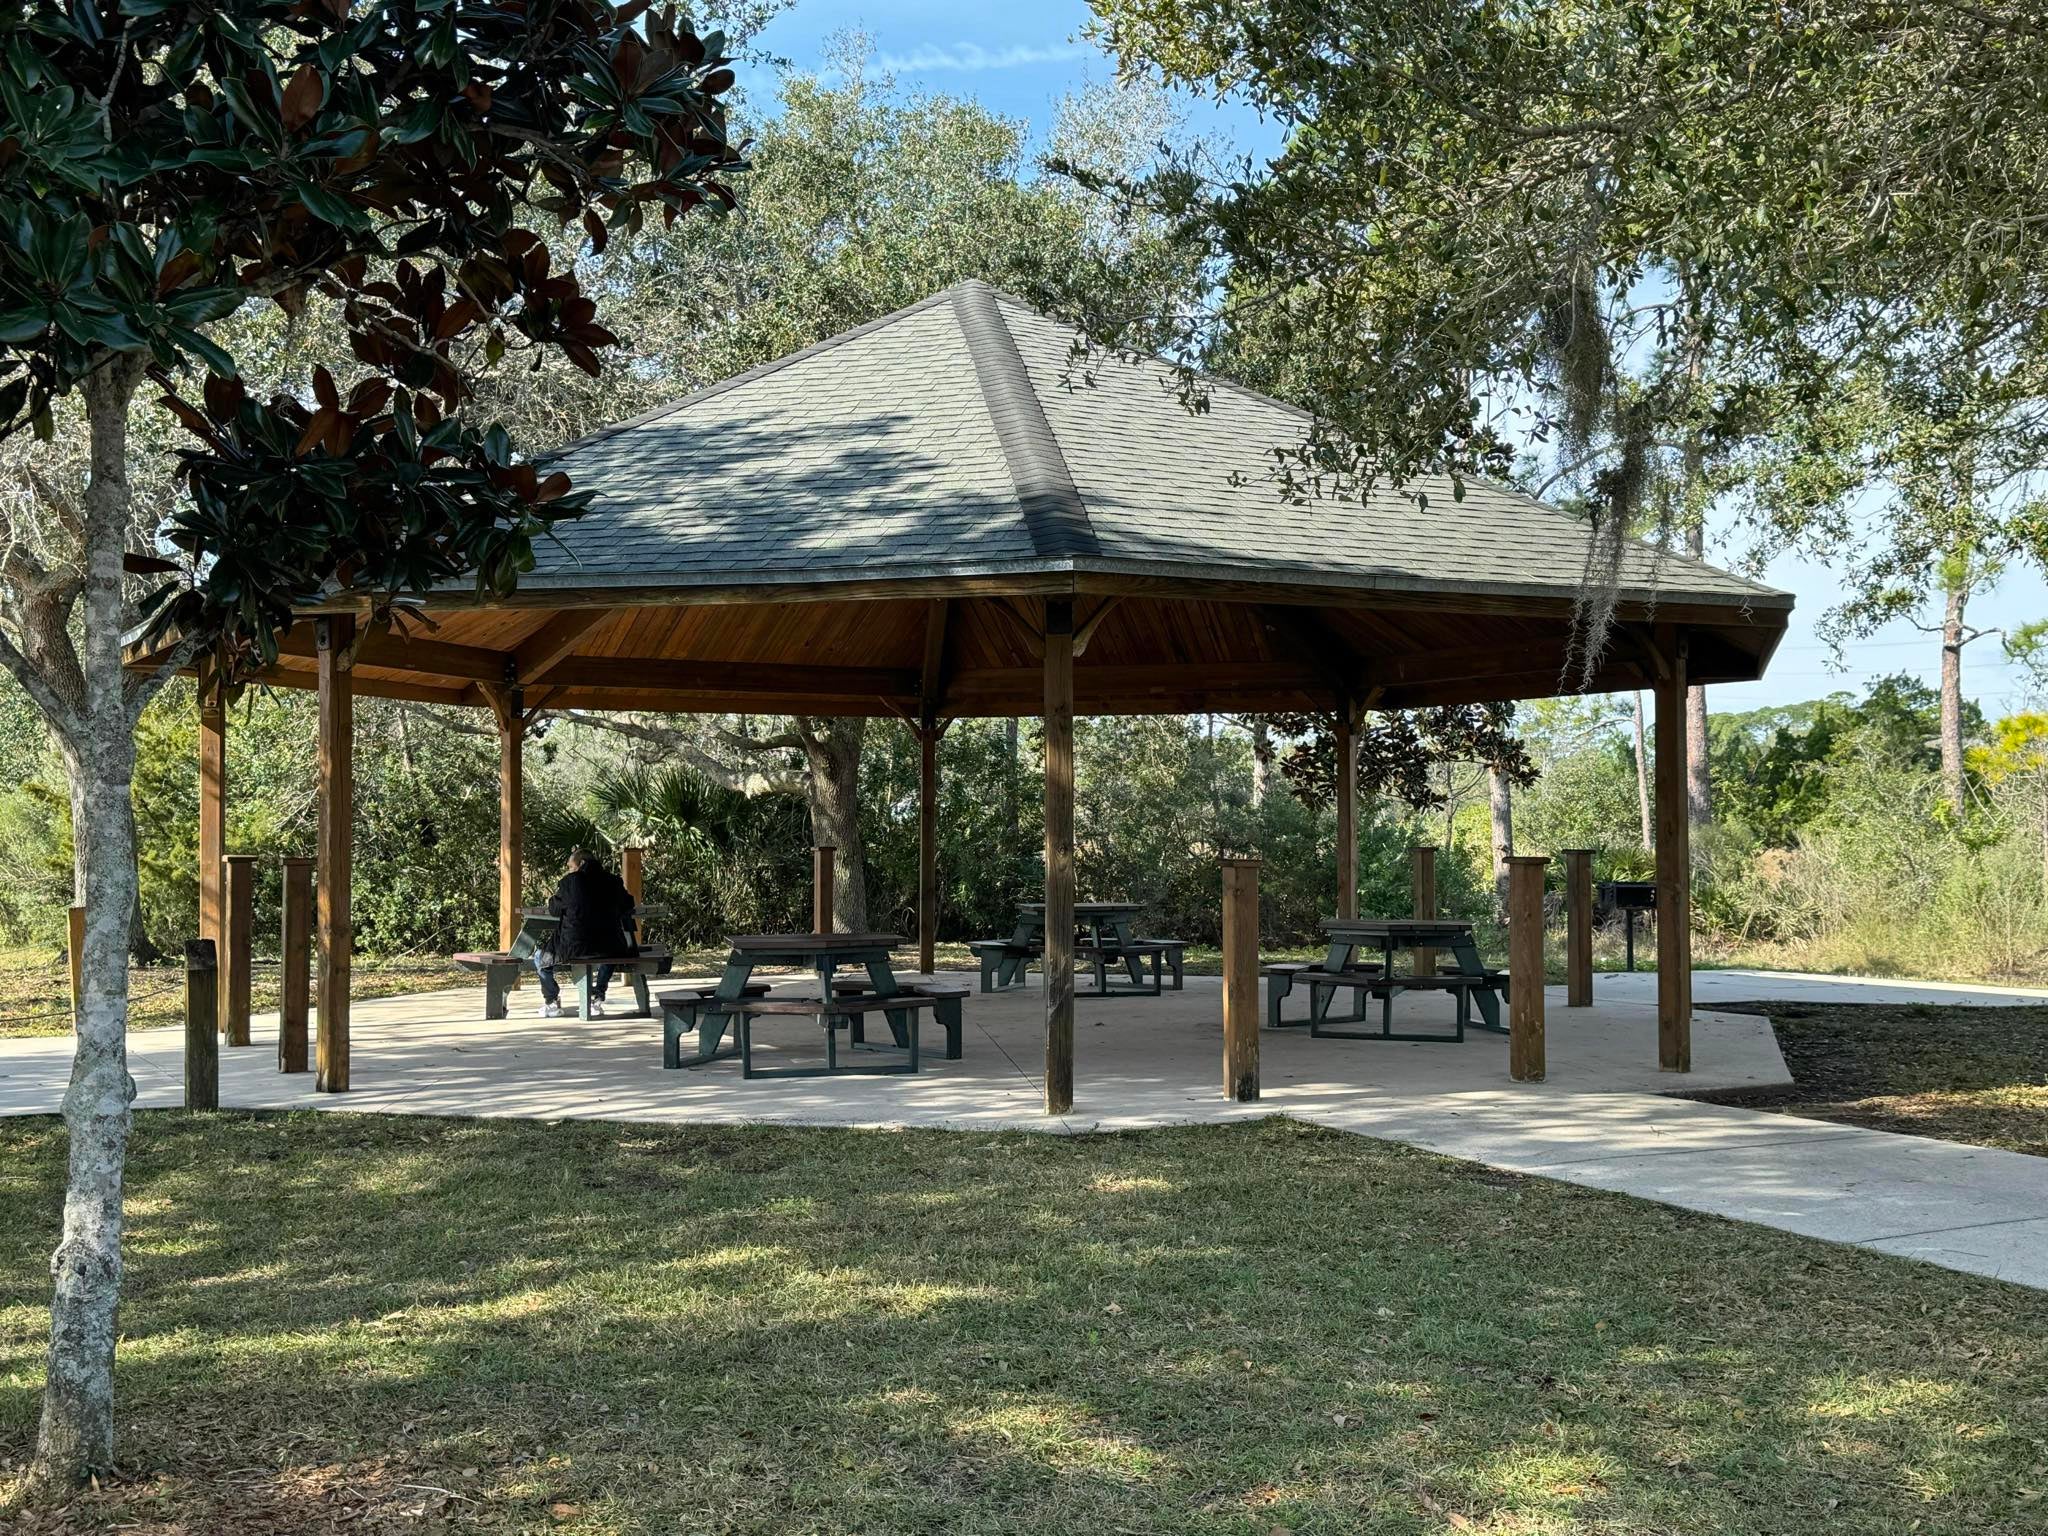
{"points": [[342, 1323], [1961, 1074]]}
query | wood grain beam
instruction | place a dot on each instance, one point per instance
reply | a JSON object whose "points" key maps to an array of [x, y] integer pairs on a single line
{"points": [[408, 653], [738, 679], [550, 645]]}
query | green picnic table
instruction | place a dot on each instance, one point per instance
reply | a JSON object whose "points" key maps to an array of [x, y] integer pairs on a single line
{"points": [[822, 954], [1472, 982]]}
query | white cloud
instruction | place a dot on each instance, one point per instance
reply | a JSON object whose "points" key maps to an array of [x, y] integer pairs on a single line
{"points": [[974, 58]]}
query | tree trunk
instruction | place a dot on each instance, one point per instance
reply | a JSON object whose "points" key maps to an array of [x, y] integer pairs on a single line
{"points": [[1262, 760], [1642, 774], [1952, 643], [97, 739], [1501, 797], [832, 750], [1699, 788], [140, 947], [1010, 752]]}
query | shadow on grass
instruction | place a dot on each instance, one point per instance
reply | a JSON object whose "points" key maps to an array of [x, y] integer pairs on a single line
{"points": [[365, 1323]]}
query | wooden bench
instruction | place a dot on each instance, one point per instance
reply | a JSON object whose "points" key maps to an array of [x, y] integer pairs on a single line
{"points": [[1175, 953], [684, 1012], [502, 970], [1004, 963], [949, 997], [1282, 975], [1133, 956], [840, 1012]]}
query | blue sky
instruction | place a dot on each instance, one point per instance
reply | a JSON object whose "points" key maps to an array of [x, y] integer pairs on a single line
{"points": [[1020, 59]]}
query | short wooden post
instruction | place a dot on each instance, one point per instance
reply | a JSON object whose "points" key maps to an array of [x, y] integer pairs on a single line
{"points": [[1422, 884], [238, 900], [632, 870], [821, 887], [335, 641], [1578, 927], [75, 953], [1674, 866], [1347, 810], [1241, 979], [1058, 716], [202, 1026], [1525, 967], [295, 966]]}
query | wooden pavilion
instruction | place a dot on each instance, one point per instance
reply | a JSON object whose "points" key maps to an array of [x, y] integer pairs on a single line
{"points": [[949, 512]]}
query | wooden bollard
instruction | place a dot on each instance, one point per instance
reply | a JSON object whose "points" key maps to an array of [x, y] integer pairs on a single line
{"points": [[1525, 967], [633, 872], [75, 937], [1578, 927], [238, 903], [1422, 883], [295, 967], [202, 1026], [821, 887], [1241, 979]]}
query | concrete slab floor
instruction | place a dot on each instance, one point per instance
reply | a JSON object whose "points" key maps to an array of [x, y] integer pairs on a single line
{"points": [[1601, 1119]]}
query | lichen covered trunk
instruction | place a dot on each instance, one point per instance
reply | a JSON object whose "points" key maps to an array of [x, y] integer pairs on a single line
{"points": [[96, 732], [77, 1434]]}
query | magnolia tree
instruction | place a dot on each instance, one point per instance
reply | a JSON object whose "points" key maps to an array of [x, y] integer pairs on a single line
{"points": [[163, 164]]}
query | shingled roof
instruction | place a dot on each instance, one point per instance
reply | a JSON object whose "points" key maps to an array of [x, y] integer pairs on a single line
{"points": [[890, 523], [955, 438]]}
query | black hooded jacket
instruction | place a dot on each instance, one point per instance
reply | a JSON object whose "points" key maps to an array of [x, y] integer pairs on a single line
{"points": [[596, 911]]}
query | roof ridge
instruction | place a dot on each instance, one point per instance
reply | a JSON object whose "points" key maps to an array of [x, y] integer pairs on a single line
{"points": [[1220, 384], [747, 376], [1053, 510]]}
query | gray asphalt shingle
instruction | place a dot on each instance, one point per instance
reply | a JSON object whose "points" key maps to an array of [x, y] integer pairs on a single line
{"points": [[955, 435]]}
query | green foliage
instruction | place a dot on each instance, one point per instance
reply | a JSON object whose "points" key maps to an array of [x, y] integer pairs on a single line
{"points": [[166, 168]]}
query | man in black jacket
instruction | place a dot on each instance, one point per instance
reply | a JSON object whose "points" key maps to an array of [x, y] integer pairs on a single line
{"points": [[596, 911]]}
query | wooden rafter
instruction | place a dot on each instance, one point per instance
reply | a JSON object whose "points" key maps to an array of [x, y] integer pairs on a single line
{"points": [[550, 645]]}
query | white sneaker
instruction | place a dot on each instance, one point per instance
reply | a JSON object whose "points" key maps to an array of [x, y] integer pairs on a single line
{"points": [[597, 1007], [551, 1010]]}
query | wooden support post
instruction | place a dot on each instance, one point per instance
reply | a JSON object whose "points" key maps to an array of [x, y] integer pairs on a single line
{"points": [[633, 871], [1347, 809], [334, 637], [1674, 866], [821, 887], [1059, 855], [1241, 979], [74, 952], [238, 905], [213, 779], [509, 705], [1578, 930], [295, 957], [1422, 885], [1525, 967], [927, 846], [202, 1026]]}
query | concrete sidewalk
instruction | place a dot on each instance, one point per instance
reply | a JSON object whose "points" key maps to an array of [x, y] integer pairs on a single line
{"points": [[1602, 1119]]}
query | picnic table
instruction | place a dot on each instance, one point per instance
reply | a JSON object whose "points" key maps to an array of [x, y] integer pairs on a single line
{"points": [[1342, 966], [738, 996], [503, 969]]}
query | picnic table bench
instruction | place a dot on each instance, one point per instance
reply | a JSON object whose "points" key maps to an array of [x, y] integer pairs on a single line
{"points": [[504, 969], [736, 1001], [1466, 977], [1107, 938]]}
